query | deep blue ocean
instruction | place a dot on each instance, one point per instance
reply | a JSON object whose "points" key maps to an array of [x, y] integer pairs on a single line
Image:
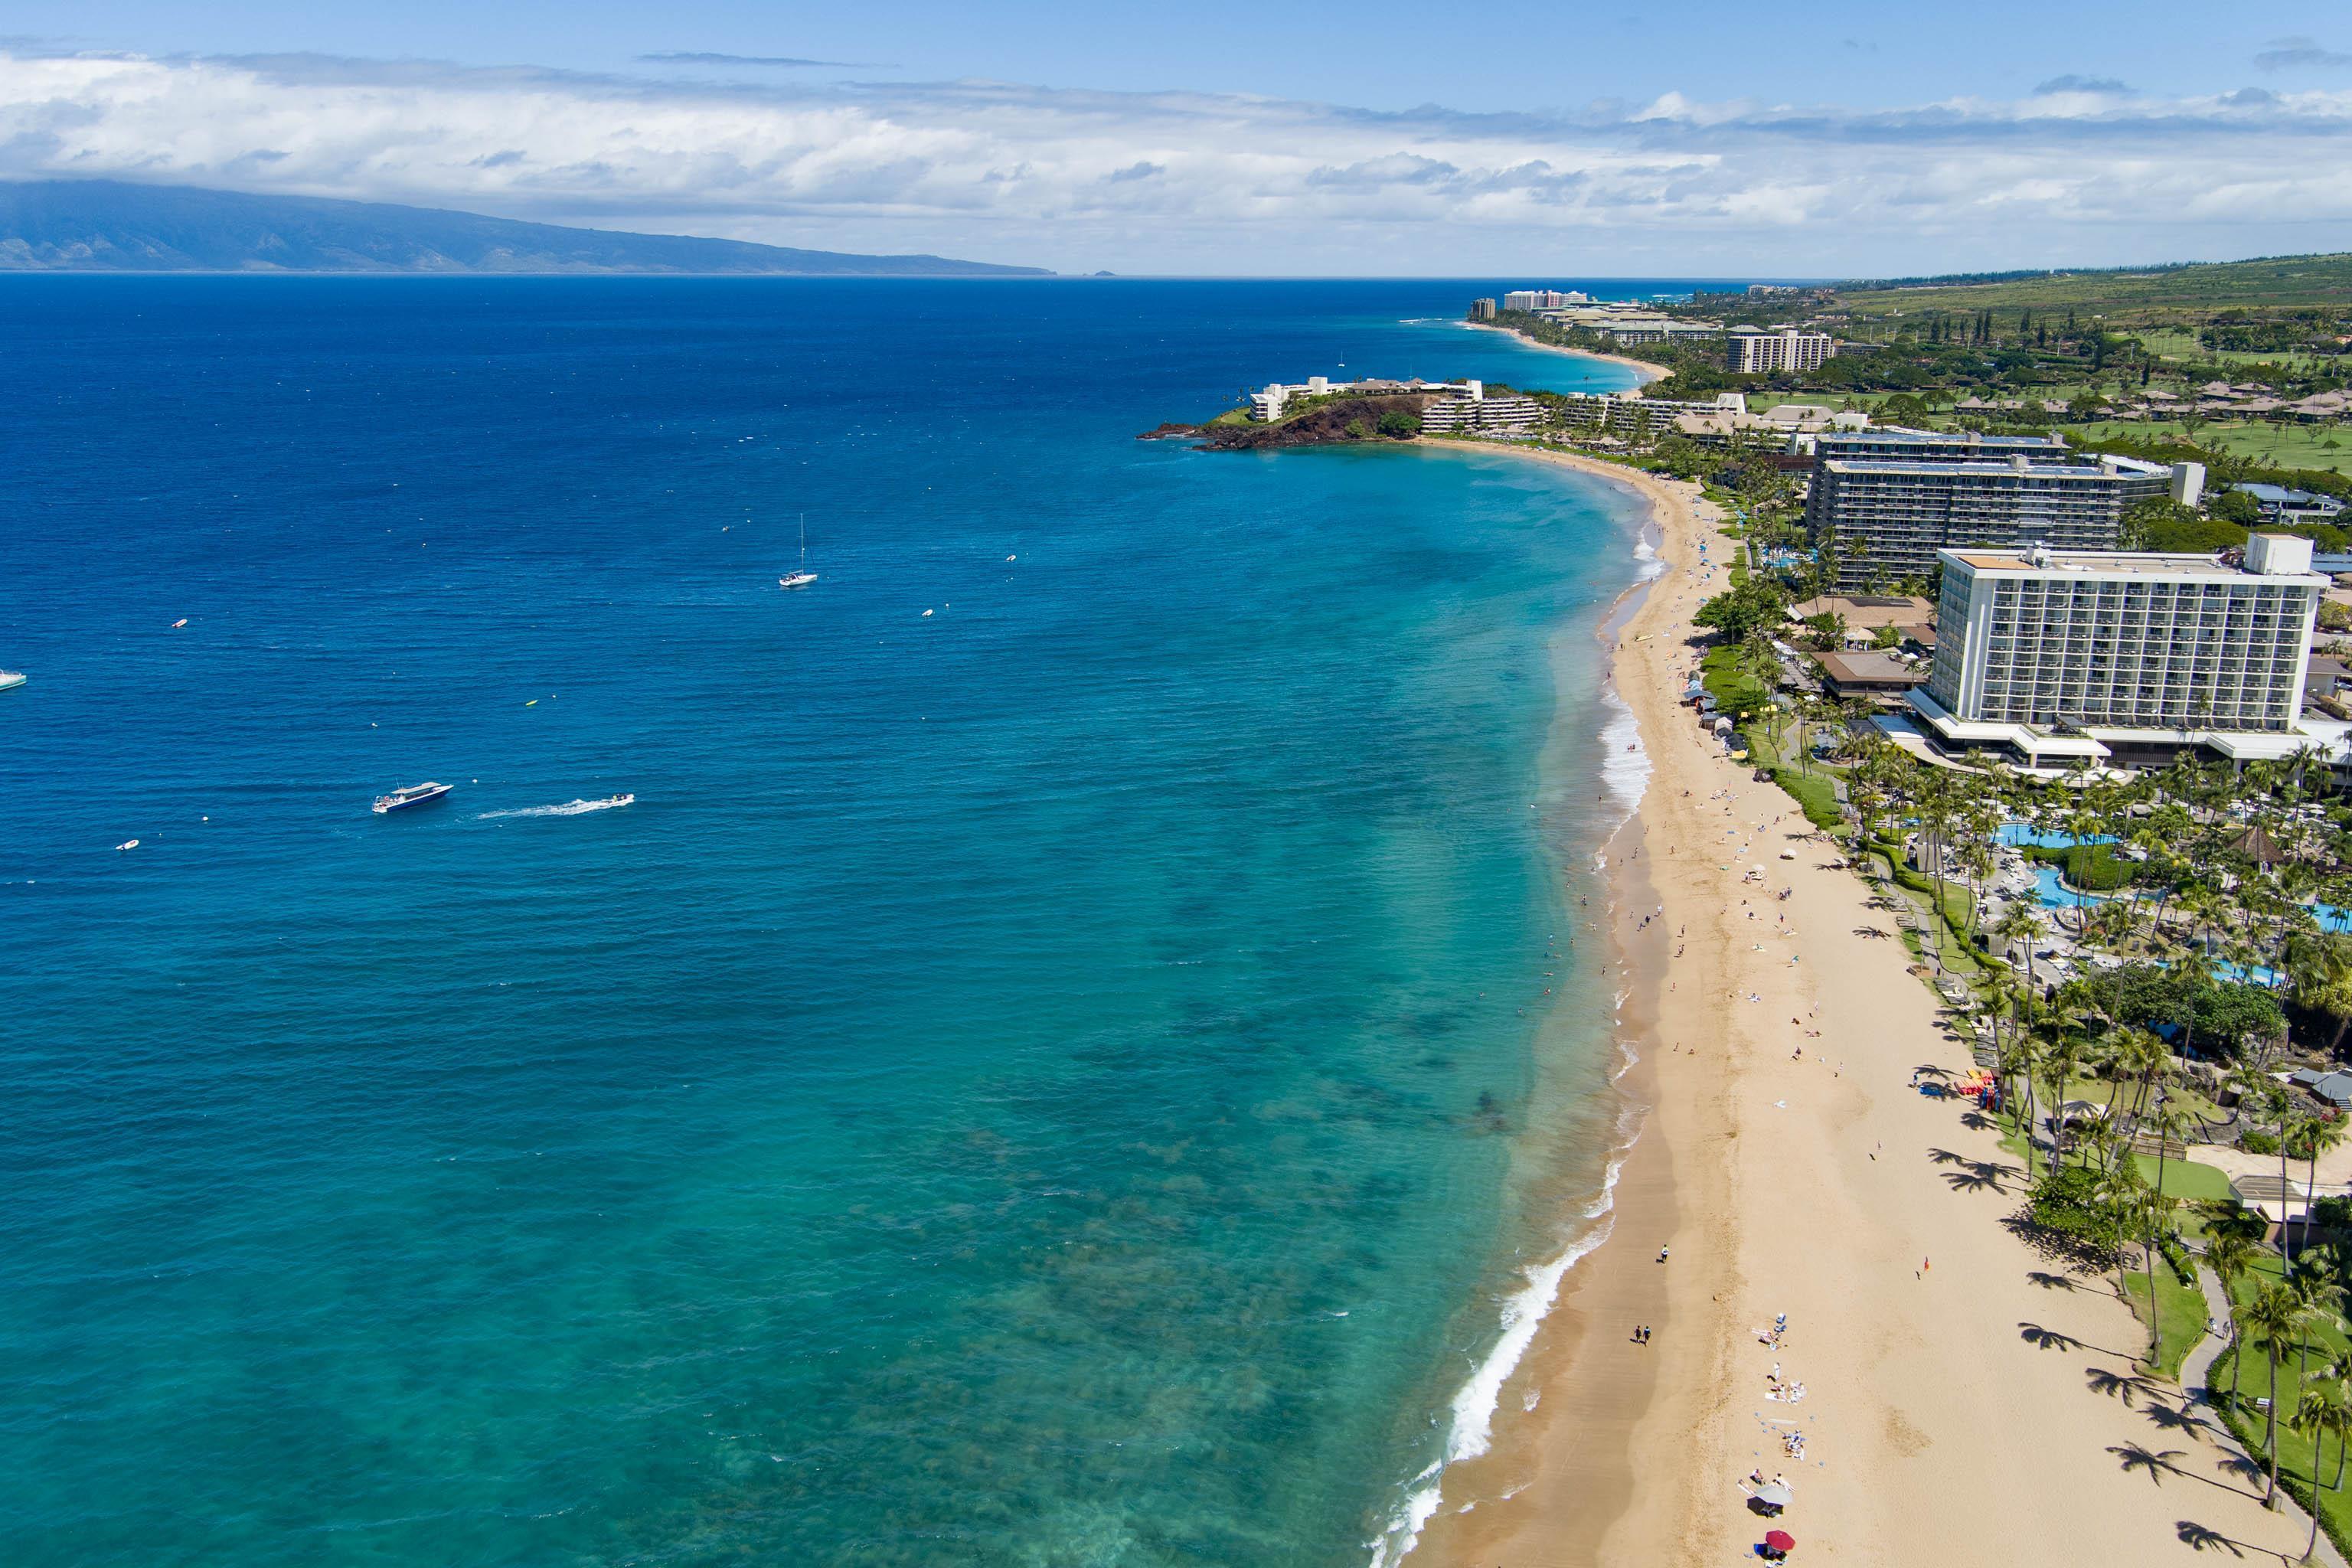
{"points": [[1065, 1079]]}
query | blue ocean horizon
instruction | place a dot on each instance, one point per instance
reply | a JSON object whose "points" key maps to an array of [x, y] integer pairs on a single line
{"points": [[1064, 1078]]}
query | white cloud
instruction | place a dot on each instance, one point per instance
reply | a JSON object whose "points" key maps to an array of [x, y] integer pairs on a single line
{"points": [[2076, 172]]}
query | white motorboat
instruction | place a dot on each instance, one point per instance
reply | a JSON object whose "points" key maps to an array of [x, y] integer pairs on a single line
{"points": [[9, 678], [410, 795]]}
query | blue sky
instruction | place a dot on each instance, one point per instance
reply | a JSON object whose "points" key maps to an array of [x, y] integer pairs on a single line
{"points": [[1830, 138]]}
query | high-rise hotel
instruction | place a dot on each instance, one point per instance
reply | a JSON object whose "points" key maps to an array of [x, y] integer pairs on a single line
{"points": [[2097, 655], [1889, 500]]}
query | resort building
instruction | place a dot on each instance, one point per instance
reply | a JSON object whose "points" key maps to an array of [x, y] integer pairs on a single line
{"points": [[1889, 517], [1864, 615], [1630, 413], [1628, 324], [1482, 310], [2066, 656], [1543, 299], [1482, 415], [1268, 406], [2140, 481], [1790, 425], [1869, 674], [1892, 442], [1752, 350], [2284, 507]]}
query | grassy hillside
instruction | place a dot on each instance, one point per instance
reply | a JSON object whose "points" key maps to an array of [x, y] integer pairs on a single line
{"points": [[2278, 280]]}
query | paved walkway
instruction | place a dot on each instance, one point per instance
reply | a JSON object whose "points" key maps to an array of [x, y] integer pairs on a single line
{"points": [[2195, 1368]]}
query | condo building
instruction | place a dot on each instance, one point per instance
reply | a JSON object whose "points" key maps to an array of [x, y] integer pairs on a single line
{"points": [[1509, 415], [1543, 299], [1895, 442], [1270, 404], [2075, 656], [1889, 517], [1754, 352]]}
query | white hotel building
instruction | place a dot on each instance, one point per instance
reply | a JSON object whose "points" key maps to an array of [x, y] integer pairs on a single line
{"points": [[2092, 656], [1781, 349]]}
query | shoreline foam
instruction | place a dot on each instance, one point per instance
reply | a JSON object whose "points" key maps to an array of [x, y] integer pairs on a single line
{"points": [[1624, 772], [1794, 1165]]}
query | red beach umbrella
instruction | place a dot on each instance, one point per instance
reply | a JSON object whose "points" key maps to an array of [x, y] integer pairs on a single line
{"points": [[1779, 1541]]}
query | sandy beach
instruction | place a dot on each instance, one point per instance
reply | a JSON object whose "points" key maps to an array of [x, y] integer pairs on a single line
{"points": [[1644, 368], [1964, 1401]]}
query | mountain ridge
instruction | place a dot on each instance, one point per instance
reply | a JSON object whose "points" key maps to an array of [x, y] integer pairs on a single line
{"points": [[115, 225]]}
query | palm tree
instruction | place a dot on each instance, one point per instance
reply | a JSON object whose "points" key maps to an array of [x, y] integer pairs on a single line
{"points": [[2319, 1412], [2155, 1212], [2336, 1421], [2275, 1313], [2017, 926], [2313, 1278], [2324, 1132], [2229, 1255], [2293, 1126]]}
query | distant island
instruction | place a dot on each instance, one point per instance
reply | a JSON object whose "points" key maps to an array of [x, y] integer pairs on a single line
{"points": [[111, 226]]}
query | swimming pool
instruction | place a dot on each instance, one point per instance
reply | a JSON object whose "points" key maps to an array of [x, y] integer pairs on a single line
{"points": [[2018, 835]]}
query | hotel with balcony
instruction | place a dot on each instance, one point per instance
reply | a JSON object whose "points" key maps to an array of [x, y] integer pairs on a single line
{"points": [[2069, 657]]}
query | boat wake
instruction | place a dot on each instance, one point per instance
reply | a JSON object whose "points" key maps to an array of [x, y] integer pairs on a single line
{"points": [[569, 808]]}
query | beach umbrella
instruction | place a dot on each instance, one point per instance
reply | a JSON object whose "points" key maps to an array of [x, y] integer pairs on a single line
{"points": [[1774, 1494], [1779, 1541]]}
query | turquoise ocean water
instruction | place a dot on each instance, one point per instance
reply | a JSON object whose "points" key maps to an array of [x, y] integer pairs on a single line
{"points": [[1066, 1080]]}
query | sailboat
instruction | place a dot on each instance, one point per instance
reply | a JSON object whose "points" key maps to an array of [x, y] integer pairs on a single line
{"points": [[804, 576]]}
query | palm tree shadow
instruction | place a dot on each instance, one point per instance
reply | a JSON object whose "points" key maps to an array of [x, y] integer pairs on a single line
{"points": [[2157, 1463], [2202, 1538], [2182, 1418], [2050, 1281], [2044, 1339], [2125, 1386], [1980, 1176], [1978, 1122], [2243, 1466]]}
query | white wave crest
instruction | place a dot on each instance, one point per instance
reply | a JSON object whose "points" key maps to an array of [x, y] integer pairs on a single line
{"points": [[1471, 1431], [1624, 761]]}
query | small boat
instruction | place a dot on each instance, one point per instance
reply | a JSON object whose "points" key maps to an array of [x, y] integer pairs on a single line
{"points": [[410, 795], [9, 678], [127, 843], [607, 803], [178, 623], [802, 577]]}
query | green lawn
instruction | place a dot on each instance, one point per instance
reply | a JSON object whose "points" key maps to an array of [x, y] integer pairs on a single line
{"points": [[2284, 445], [1952, 941], [1734, 690], [2175, 344], [2294, 1449], [2182, 1310], [1814, 794], [2186, 1179]]}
